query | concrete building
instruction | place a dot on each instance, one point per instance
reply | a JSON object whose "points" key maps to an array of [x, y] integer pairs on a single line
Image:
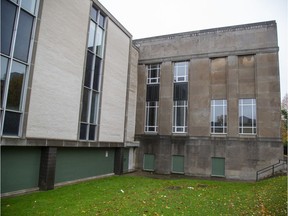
{"points": [[209, 101], [68, 94], [80, 99]]}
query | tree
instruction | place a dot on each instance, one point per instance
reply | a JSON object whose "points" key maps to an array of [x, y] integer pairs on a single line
{"points": [[284, 122]]}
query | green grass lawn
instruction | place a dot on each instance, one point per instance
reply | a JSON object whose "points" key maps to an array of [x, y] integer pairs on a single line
{"points": [[135, 195]]}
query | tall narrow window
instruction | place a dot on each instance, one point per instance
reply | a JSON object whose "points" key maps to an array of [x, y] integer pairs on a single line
{"points": [[247, 116], [92, 77], [180, 97], [218, 116], [152, 98], [18, 20]]}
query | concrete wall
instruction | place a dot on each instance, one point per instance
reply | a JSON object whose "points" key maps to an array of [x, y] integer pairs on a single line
{"points": [[58, 70], [116, 59], [226, 63], [132, 97]]}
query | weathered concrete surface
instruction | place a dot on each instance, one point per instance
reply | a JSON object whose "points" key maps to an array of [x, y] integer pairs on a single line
{"points": [[229, 63]]}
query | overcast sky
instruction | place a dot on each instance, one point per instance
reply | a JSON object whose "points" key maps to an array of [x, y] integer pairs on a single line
{"points": [[148, 18]]}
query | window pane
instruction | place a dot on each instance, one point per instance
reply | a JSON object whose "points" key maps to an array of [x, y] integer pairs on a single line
{"points": [[84, 116], [15, 90], [93, 14], [180, 91], [101, 20], [23, 36], [99, 41], [91, 38], [152, 93], [3, 73], [97, 74], [83, 131], [11, 124], [92, 132], [94, 108], [8, 12], [88, 72], [29, 5]]}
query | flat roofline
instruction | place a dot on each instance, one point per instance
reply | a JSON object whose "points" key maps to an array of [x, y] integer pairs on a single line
{"points": [[112, 18], [211, 31]]}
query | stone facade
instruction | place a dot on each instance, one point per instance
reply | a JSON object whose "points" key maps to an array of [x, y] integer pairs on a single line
{"points": [[228, 63]]}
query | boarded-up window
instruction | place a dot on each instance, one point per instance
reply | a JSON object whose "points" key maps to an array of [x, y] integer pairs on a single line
{"points": [[178, 164], [218, 166], [148, 162]]}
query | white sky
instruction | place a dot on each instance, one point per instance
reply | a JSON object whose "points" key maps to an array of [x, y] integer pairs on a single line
{"points": [[148, 18]]}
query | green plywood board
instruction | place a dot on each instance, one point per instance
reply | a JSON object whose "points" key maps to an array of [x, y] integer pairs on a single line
{"points": [[149, 161], [19, 168], [177, 164], [218, 166], [76, 163]]}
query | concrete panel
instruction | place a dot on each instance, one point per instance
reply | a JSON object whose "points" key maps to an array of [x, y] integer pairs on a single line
{"points": [[132, 96], [199, 98], [166, 99], [210, 41], [114, 84], [141, 100], [268, 95], [58, 70], [218, 78], [246, 77]]}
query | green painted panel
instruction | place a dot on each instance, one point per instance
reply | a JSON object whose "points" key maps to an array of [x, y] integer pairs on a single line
{"points": [[125, 160], [78, 163], [149, 161], [218, 166], [19, 168], [177, 164]]}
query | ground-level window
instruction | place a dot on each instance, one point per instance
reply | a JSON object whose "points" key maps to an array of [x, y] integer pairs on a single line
{"points": [[247, 116], [180, 117], [218, 116], [151, 116], [218, 166]]}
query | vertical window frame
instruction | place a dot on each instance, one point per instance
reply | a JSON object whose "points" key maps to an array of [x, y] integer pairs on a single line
{"points": [[151, 128], [177, 67], [253, 109], [180, 129], [90, 84], [223, 127], [11, 59]]}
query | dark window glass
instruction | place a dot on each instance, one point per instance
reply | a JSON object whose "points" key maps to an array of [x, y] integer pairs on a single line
{"points": [[11, 124], [83, 131], [84, 116], [88, 72], [101, 20], [3, 72], [15, 86], [92, 132], [152, 93], [94, 105], [97, 74], [93, 14], [180, 91], [8, 12], [23, 36]]}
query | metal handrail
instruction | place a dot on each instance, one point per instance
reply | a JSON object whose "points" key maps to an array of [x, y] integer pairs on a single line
{"points": [[271, 167]]}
